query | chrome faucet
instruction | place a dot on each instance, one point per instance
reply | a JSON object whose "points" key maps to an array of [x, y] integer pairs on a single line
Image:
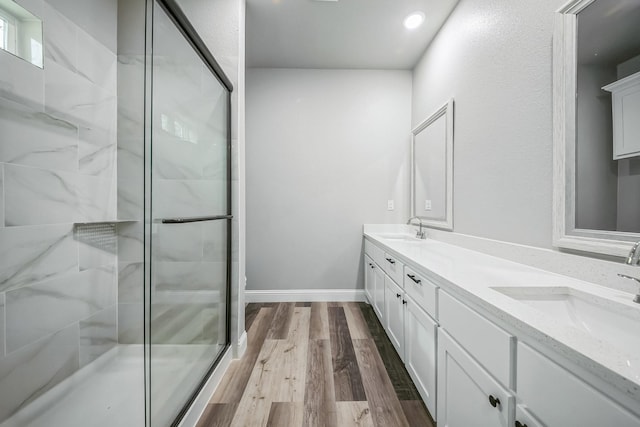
{"points": [[633, 259], [634, 255], [420, 234]]}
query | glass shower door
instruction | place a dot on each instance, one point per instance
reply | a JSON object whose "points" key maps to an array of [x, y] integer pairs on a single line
{"points": [[190, 221]]}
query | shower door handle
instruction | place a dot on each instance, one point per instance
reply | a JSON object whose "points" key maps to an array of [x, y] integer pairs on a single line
{"points": [[189, 219]]}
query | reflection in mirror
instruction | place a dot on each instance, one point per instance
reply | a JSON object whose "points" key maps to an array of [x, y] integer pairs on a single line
{"points": [[607, 174], [597, 126], [20, 32], [432, 169]]}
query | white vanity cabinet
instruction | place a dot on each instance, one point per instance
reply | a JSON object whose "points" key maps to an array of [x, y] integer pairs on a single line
{"points": [[420, 333], [558, 397], [467, 394], [369, 278], [394, 300]]}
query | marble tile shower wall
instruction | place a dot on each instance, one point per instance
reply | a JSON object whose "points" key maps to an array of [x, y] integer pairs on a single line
{"points": [[58, 279]]}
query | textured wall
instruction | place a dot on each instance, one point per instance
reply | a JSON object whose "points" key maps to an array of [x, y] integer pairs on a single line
{"points": [[58, 287], [326, 149], [494, 58]]}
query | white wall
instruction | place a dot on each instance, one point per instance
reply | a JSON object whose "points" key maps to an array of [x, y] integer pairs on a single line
{"points": [[326, 149], [494, 58]]}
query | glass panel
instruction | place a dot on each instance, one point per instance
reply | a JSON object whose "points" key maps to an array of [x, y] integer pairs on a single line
{"points": [[20, 32], [188, 328]]}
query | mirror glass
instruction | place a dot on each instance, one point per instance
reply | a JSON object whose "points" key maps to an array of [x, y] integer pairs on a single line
{"points": [[432, 169], [20, 32], [607, 188]]}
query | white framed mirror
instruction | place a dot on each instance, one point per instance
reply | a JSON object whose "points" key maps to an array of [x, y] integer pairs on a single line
{"points": [[432, 169], [596, 180]]}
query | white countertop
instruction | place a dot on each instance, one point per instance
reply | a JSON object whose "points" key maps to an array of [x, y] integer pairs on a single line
{"points": [[472, 275]]}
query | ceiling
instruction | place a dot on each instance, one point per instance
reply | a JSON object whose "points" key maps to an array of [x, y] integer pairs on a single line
{"points": [[342, 34], [609, 32]]}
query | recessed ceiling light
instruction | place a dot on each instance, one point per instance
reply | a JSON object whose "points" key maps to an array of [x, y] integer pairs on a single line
{"points": [[414, 20]]}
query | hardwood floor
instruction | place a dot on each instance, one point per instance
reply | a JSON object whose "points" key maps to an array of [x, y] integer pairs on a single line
{"points": [[316, 364]]}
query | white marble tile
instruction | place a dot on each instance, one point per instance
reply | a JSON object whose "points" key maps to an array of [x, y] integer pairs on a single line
{"points": [[178, 242], [33, 312], [32, 138], [96, 198], [131, 84], [35, 7], [21, 81], [73, 97], [181, 198], [178, 323], [130, 242], [2, 325], [96, 151], [1, 195], [189, 275], [37, 196], [214, 235], [99, 18], [37, 368], [130, 185], [96, 62], [174, 158], [34, 254], [130, 323], [130, 282], [60, 39], [98, 334]]}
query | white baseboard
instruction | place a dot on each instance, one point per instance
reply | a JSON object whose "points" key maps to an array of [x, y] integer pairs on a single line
{"points": [[241, 347], [306, 295], [200, 404]]}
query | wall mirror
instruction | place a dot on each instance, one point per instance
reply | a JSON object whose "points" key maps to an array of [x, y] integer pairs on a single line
{"points": [[597, 126], [20, 32], [432, 169]]}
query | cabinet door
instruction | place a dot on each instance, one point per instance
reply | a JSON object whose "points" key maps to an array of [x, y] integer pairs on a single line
{"points": [[394, 314], [420, 352], [378, 292], [369, 278], [467, 394], [557, 397]]}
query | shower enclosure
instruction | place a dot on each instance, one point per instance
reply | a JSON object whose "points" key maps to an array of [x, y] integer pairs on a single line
{"points": [[115, 213]]}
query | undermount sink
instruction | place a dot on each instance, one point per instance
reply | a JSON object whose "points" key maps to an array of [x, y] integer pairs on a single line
{"points": [[403, 237], [602, 318]]}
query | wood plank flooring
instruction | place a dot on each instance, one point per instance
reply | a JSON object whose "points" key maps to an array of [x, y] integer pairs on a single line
{"points": [[316, 365]]}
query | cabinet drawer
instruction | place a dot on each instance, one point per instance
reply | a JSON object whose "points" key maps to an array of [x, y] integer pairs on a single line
{"points": [[489, 344], [421, 290], [557, 397], [393, 267], [376, 254]]}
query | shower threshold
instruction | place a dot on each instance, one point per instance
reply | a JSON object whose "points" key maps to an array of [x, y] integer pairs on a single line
{"points": [[110, 390]]}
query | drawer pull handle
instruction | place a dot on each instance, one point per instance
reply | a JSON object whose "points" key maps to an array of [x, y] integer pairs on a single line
{"points": [[494, 401], [413, 277], [398, 295], [404, 301], [519, 424], [371, 265], [390, 260]]}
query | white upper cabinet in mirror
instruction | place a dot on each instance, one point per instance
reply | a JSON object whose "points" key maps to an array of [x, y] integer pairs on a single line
{"points": [[596, 180], [20, 32], [432, 169]]}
